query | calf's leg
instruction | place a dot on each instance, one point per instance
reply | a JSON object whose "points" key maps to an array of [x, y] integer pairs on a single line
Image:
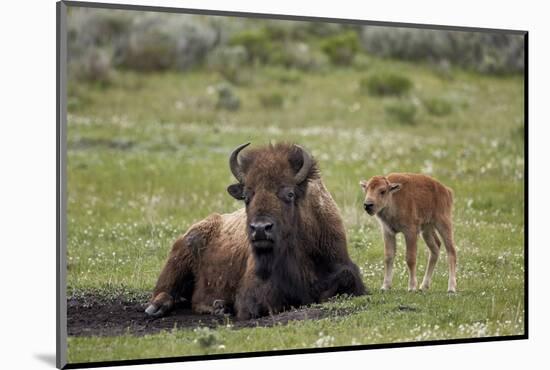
{"points": [[389, 255], [429, 237], [437, 241], [445, 229], [410, 241]]}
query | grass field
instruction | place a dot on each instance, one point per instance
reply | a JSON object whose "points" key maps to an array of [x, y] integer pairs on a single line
{"points": [[147, 157]]}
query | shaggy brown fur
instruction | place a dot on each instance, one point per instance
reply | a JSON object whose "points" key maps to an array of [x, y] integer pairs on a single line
{"points": [[412, 204], [286, 248]]}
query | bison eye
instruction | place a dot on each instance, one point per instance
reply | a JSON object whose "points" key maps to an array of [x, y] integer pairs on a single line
{"points": [[382, 192], [287, 195]]}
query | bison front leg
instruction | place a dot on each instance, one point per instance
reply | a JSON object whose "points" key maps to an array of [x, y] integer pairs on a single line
{"points": [[219, 307], [246, 310], [176, 279], [253, 297], [345, 280]]}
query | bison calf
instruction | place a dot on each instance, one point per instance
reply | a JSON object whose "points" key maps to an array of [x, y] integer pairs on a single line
{"points": [[412, 204]]}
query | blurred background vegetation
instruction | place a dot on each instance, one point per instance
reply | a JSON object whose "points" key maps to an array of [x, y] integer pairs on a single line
{"points": [[102, 42]]}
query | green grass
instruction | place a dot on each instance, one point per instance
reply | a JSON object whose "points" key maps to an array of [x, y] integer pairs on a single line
{"points": [[403, 112], [147, 157], [381, 84]]}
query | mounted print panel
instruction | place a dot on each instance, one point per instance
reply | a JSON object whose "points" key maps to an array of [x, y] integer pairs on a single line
{"points": [[237, 184]]}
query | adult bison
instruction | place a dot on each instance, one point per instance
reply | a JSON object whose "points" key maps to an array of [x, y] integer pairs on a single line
{"points": [[286, 248]]}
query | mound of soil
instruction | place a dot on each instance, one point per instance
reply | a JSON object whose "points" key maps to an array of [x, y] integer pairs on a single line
{"points": [[95, 315]]}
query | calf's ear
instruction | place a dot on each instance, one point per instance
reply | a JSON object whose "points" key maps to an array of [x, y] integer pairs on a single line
{"points": [[363, 184], [236, 191], [394, 186]]}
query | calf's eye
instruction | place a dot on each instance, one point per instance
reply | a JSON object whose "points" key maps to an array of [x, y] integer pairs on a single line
{"points": [[382, 192], [290, 195]]}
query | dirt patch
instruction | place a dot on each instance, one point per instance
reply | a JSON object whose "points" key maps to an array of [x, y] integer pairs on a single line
{"points": [[94, 315]]}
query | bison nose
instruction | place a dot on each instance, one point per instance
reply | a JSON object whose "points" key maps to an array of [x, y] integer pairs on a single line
{"points": [[261, 229], [368, 206]]}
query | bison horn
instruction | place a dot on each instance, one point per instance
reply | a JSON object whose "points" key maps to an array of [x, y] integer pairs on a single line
{"points": [[306, 166], [234, 163]]}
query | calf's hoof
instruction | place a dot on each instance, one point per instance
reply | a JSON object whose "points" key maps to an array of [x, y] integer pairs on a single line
{"points": [[413, 285], [160, 305], [451, 287]]}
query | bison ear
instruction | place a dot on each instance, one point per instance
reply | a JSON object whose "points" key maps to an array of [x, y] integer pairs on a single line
{"points": [[236, 191], [363, 184], [394, 186]]}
